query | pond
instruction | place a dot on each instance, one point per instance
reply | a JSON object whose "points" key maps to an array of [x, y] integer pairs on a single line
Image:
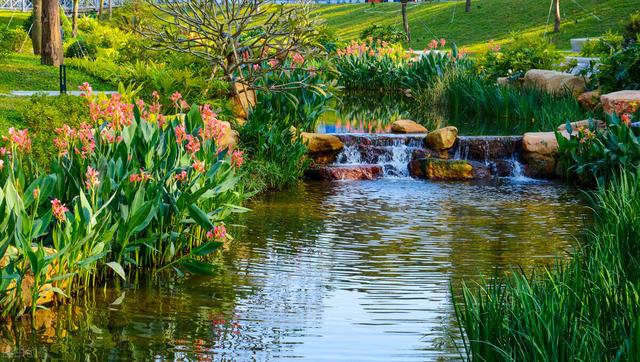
{"points": [[341, 271]]}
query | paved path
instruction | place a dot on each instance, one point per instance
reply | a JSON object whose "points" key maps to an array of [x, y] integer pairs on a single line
{"points": [[52, 93]]}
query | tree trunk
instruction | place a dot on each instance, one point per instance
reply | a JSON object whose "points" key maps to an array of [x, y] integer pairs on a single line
{"points": [[556, 25], [36, 28], [51, 35], [405, 20], [100, 9], [110, 9], [76, 5], [467, 7]]}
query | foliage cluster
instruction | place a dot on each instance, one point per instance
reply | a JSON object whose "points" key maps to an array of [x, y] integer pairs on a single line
{"points": [[608, 44], [129, 188], [387, 33], [620, 70]]}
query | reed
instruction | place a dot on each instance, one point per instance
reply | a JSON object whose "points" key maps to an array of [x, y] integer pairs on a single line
{"points": [[586, 309]]}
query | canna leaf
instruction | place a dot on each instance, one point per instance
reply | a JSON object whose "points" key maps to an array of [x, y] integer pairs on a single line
{"points": [[118, 269]]}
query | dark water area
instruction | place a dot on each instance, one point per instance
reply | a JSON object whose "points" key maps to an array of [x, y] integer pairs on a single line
{"points": [[328, 271], [374, 113]]}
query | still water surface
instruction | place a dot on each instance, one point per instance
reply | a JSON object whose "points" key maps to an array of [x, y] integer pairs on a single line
{"points": [[356, 271]]}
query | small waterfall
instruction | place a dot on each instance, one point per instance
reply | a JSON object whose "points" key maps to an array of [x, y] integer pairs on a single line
{"points": [[501, 153], [391, 152]]}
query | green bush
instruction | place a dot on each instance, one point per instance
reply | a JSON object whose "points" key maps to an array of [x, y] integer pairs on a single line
{"points": [[609, 43], [620, 70], [631, 30], [517, 58], [81, 49], [14, 39], [388, 33], [44, 114]]}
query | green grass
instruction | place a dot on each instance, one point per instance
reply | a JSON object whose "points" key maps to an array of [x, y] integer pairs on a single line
{"points": [[489, 19], [13, 19]]}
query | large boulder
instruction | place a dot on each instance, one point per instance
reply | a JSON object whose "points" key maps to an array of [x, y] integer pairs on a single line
{"points": [[540, 153], [447, 170], [627, 101], [555, 82], [244, 100], [351, 172], [590, 100], [407, 126], [319, 142], [443, 138]]}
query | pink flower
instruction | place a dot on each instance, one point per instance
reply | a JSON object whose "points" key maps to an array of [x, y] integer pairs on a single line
{"points": [[1, 164], [19, 138], [36, 193], [193, 144], [180, 133], [155, 95], [237, 158], [442, 42], [184, 105], [626, 118], [256, 67], [433, 44], [198, 165], [297, 58], [91, 177], [181, 176], [175, 97], [58, 209], [219, 232], [86, 89], [273, 62], [139, 177]]}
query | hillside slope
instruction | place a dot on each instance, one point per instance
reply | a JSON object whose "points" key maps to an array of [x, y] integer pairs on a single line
{"points": [[489, 19]]}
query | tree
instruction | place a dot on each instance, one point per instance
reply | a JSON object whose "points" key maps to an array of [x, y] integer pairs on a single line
{"points": [[51, 51], [556, 25], [36, 27], [467, 6], [405, 20], [74, 19], [237, 37], [100, 9]]}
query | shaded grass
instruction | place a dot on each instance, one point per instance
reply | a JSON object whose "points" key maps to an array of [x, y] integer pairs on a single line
{"points": [[489, 19]]}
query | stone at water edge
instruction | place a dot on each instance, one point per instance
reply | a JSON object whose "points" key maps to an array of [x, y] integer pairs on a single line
{"points": [[540, 153], [356, 172], [407, 126], [319, 142], [447, 170], [555, 82], [586, 123], [626, 101], [442, 138], [590, 100]]}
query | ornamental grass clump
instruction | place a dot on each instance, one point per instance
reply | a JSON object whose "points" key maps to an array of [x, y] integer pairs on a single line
{"points": [[130, 188]]}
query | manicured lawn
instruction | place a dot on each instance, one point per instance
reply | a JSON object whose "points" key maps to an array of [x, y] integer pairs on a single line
{"points": [[13, 19], [489, 19]]}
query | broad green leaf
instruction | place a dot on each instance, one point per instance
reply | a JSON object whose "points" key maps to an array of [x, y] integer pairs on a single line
{"points": [[118, 269]]}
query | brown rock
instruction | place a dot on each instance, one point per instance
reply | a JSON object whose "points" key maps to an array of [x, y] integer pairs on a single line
{"points": [[627, 101], [318, 142], [555, 82], [357, 172], [443, 138], [540, 153], [407, 126], [503, 81], [538, 165], [445, 170], [590, 100], [243, 100]]}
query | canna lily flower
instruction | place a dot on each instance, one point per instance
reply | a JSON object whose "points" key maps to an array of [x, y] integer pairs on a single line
{"points": [[36, 193], [198, 166], [91, 178], [58, 209], [219, 232], [237, 158], [181, 176], [193, 144]]}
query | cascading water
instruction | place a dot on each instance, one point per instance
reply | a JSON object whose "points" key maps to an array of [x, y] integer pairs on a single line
{"points": [[391, 152], [501, 153]]}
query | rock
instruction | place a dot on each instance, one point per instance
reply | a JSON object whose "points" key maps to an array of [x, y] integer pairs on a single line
{"points": [[356, 172], [627, 101], [555, 82], [318, 142], [590, 100], [447, 170], [228, 138], [243, 100], [503, 81], [407, 126], [587, 123], [443, 138], [486, 148], [540, 153]]}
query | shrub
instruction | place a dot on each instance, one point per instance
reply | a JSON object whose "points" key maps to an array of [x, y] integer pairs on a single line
{"points": [[388, 33], [14, 39], [631, 30], [130, 188], [609, 43], [44, 114], [81, 49], [620, 70], [515, 59]]}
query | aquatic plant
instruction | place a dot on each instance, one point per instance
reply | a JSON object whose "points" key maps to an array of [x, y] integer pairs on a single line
{"points": [[586, 309], [130, 188]]}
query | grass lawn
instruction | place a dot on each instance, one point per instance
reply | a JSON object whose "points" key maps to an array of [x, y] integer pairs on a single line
{"points": [[13, 19], [489, 19]]}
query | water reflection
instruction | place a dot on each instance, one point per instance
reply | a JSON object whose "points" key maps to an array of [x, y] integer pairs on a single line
{"points": [[355, 271]]}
